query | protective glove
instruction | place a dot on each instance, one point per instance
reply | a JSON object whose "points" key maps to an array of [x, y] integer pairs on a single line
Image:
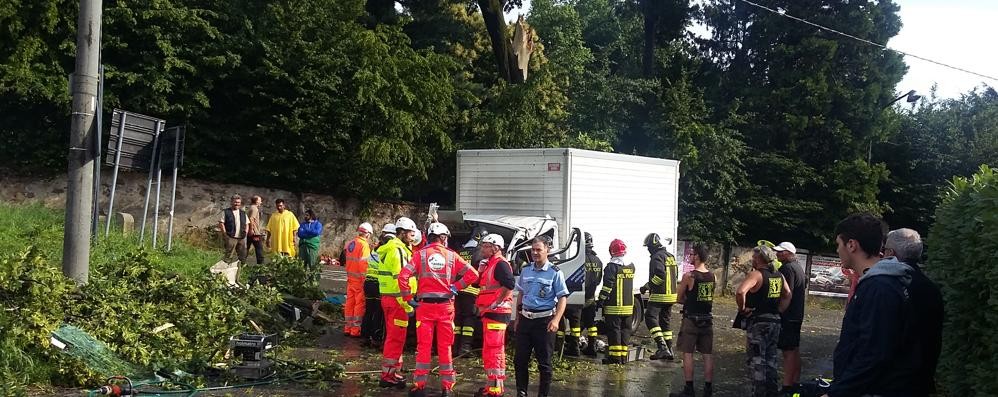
{"points": [[589, 302], [643, 289], [413, 303]]}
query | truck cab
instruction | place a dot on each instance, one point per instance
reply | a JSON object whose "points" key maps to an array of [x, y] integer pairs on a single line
{"points": [[518, 232]]}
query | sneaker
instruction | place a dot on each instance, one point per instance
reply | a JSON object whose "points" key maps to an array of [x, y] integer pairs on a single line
{"points": [[484, 392]]}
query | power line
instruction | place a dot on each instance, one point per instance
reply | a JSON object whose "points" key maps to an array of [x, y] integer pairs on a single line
{"points": [[784, 14]]}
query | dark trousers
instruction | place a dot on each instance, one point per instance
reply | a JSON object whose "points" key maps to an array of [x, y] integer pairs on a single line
{"points": [[618, 336], [466, 324], [372, 325], [657, 317], [589, 322], [533, 336], [257, 248], [571, 335]]}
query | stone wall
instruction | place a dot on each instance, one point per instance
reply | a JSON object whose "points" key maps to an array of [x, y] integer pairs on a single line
{"points": [[199, 205]]}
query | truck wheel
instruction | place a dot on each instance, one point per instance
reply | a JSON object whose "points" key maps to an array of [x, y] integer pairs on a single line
{"points": [[637, 318]]}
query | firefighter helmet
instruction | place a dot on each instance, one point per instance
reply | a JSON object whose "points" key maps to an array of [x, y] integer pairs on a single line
{"points": [[618, 248]]}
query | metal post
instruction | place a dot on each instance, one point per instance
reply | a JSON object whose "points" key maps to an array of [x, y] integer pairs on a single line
{"points": [[114, 175], [152, 161], [173, 195], [79, 191], [99, 131], [158, 159]]}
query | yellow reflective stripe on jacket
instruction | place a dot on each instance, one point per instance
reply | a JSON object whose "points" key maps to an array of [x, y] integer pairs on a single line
{"points": [[496, 326], [471, 290], [394, 254], [619, 310]]}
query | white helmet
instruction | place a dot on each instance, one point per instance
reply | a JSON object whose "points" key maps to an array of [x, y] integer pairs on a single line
{"points": [[494, 239], [389, 228], [365, 227], [406, 224], [417, 238], [438, 228]]}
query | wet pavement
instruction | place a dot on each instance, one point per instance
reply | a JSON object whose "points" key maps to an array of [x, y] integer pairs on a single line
{"points": [[585, 378], [573, 377]]}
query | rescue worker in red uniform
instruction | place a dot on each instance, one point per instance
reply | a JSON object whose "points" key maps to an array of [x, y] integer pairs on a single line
{"points": [[356, 252], [495, 305], [440, 273], [394, 255]]}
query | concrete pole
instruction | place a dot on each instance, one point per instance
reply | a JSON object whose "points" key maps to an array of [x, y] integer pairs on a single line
{"points": [[79, 192]]}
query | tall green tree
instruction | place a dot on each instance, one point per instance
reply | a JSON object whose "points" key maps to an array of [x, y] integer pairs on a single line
{"points": [[940, 140], [814, 101]]}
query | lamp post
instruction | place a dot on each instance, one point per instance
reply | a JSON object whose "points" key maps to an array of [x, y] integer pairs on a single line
{"points": [[912, 97]]}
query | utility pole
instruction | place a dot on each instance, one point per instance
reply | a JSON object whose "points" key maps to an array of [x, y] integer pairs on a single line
{"points": [[79, 193]]}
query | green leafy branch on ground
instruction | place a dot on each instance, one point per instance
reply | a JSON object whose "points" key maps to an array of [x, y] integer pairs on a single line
{"points": [[160, 311]]}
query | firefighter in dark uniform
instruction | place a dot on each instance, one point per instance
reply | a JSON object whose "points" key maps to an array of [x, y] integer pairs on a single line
{"points": [[662, 295], [577, 315], [594, 274], [466, 321], [617, 300]]}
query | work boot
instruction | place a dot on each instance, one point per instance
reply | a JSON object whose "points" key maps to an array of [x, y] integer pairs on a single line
{"points": [[446, 392], [612, 360], [417, 392], [590, 349], [393, 382], [708, 390], [571, 347], [458, 347], [664, 351], [521, 393]]}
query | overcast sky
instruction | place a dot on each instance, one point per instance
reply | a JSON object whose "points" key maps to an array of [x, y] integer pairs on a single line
{"points": [[957, 32]]}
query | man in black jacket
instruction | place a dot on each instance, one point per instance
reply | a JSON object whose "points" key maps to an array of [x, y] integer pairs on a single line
{"points": [[906, 246], [880, 351], [594, 275]]}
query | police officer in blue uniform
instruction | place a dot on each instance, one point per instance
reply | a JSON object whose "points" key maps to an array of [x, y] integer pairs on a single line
{"points": [[540, 303]]}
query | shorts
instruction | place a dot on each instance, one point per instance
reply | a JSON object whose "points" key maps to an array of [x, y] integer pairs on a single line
{"points": [[789, 335], [696, 336]]}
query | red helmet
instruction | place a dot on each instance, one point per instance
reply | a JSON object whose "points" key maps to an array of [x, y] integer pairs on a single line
{"points": [[618, 248]]}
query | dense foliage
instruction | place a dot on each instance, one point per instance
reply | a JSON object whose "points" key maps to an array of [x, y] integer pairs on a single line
{"points": [[963, 242], [146, 312], [775, 122]]}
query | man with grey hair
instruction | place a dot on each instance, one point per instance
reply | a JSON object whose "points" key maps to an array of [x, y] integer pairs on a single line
{"points": [[906, 246], [233, 225]]}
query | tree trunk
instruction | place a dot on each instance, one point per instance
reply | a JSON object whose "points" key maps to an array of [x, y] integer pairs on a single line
{"points": [[648, 55], [512, 55], [496, 26]]}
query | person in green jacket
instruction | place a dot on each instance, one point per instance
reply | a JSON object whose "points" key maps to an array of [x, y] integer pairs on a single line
{"points": [[308, 239]]}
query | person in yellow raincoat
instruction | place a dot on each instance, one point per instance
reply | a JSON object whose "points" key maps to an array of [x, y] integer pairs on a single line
{"points": [[282, 229]]}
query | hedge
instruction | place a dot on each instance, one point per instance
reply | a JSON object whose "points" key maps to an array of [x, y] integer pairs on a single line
{"points": [[963, 259]]}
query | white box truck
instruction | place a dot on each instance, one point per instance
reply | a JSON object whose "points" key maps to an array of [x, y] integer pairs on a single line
{"points": [[522, 193]]}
